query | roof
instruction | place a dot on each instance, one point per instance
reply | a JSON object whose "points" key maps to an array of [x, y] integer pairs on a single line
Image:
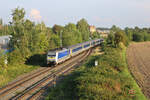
{"points": [[57, 49], [4, 37]]}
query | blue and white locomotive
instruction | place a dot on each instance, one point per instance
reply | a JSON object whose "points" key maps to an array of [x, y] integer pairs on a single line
{"points": [[57, 56]]}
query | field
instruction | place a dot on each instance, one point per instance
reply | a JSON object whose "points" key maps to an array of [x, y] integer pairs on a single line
{"points": [[138, 56]]}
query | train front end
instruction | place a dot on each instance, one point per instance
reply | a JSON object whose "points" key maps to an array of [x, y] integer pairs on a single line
{"points": [[51, 58]]}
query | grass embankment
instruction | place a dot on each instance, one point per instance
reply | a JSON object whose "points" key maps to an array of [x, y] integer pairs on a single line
{"points": [[110, 80], [11, 72]]}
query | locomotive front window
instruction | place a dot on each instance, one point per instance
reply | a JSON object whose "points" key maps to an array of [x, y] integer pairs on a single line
{"points": [[51, 55]]}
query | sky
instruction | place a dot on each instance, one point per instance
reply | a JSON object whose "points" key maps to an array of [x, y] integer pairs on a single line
{"points": [[101, 13]]}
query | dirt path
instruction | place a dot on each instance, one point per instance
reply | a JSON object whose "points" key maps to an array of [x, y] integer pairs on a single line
{"points": [[138, 56]]}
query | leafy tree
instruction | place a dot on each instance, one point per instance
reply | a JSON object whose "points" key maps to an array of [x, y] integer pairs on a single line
{"points": [[146, 37], [40, 38], [138, 37], [43, 42], [71, 35], [19, 35], [110, 39], [18, 16], [57, 28], [137, 29], [114, 28], [95, 35], [54, 41], [129, 33], [118, 38], [83, 27], [1, 21]]}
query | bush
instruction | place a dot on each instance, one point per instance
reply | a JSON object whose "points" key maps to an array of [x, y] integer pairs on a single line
{"points": [[114, 39], [138, 37], [15, 57], [2, 61]]}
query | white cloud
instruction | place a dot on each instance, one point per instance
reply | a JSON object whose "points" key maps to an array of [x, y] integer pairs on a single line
{"points": [[35, 14]]}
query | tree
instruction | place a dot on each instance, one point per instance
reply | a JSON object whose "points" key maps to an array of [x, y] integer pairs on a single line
{"points": [[18, 16], [20, 39], [71, 35], [1, 21], [138, 37], [118, 38], [95, 35], [54, 41], [83, 27], [110, 39], [114, 28], [129, 33], [57, 28]]}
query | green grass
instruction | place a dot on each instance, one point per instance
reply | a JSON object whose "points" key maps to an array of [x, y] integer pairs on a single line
{"points": [[11, 72], [110, 80]]}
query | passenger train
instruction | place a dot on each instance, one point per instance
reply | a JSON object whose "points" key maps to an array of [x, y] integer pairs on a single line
{"points": [[55, 57]]}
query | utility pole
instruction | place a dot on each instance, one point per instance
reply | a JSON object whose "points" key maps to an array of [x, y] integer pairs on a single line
{"points": [[61, 38]]}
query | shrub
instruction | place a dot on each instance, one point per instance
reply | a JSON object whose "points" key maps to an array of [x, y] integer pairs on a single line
{"points": [[138, 37], [15, 57]]}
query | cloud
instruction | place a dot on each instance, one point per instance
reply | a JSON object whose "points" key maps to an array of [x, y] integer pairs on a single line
{"points": [[35, 14]]}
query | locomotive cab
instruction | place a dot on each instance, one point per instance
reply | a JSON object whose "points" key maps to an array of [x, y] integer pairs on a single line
{"points": [[51, 58]]}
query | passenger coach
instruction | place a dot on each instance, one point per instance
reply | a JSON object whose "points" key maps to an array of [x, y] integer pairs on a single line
{"points": [[60, 55]]}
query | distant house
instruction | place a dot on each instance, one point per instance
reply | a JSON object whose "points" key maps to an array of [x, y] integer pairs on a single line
{"points": [[4, 41], [103, 31], [92, 29]]}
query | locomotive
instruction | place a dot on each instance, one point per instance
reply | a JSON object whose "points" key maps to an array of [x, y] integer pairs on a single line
{"points": [[55, 57]]}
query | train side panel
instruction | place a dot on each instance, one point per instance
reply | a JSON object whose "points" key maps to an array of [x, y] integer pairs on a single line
{"points": [[76, 50], [87, 45], [63, 55]]}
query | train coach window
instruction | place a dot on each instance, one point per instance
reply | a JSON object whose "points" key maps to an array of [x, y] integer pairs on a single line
{"points": [[52, 55]]}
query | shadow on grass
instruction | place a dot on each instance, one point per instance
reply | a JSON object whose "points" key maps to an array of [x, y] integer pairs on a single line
{"points": [[37, 60], [65, 88], [91, 61]]}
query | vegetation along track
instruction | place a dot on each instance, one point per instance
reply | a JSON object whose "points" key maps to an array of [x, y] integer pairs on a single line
{"points": [[138, 56], [20, 88], [32, 92]]}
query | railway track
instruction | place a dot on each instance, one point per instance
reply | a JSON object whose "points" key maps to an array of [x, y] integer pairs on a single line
{"points": [[29, 86]]}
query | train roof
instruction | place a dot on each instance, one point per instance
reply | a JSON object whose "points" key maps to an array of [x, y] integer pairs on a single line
{"points": [[78, 44], [60, 49], [57, 49]]}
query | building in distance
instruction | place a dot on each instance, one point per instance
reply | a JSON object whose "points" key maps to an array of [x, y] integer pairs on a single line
{"points": [[103, 31], [92, 29], [4, 41]]}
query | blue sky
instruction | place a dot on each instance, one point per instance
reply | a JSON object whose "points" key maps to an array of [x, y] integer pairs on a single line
{"points": [[101, 13]]}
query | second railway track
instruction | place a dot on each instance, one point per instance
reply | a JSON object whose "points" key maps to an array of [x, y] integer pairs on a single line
{"points": [[30, 84]]}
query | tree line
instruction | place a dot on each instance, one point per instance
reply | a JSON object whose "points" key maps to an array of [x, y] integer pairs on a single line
{"points": [[29, 38], [119, 36]]}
